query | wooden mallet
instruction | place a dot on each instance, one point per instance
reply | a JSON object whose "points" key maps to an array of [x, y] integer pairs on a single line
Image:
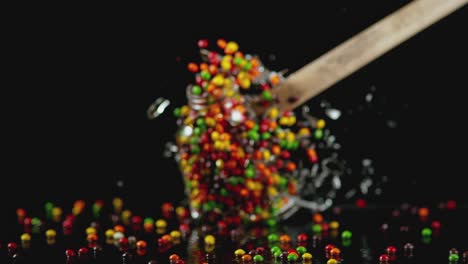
{"points": [[361, 49]]}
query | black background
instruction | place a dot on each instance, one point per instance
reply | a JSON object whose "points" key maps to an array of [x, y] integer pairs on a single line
{"points": [[76, 90]]}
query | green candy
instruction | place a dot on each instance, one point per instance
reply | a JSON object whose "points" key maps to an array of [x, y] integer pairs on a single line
{"points": [[249, 173], [426, 240], [266, 135], [196, 90], [177, 112], [253, 135], [237, 60], [48, 208], [194, 140], [267, 95], [258, 210], [273, 238], [454, 258], [301, 250], [426, 232], [205, 75], [96, 210], [232, 180], [208, 206], [346, 243], [316, 228], [258, 258], [271, 222], [275, 249], [195, 149], [36, 221], [248, 66], [200, 122], [283, 182], [295, 145], [224, 192], [283, 143], [346, 235], [318, 134], [292, 257]]}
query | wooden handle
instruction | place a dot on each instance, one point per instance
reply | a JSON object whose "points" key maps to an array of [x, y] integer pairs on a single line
{"points": [[361, 49]]}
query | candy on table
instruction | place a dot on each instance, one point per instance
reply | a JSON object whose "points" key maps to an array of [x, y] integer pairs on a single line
{"points": [[118, 240]]}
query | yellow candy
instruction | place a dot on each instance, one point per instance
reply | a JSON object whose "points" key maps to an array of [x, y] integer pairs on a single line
{"points": [[245, 83], [161, 223], [226, 65], [266, 155], [194, 183], [272, 191], [215, 135], [231, 47], [188, 121], [290, 137], [230, 93], [281, 135], [242, 76], [218, 80], [91, 231], [50, 233], [265, 214], [195, 191], [258, 186], [284, 121], [227, 58], [307, 256], [180, 210], [332, 261], [110, 233], [304, 131], [250, 185], [76, 210], [126, 214], [276, 179], [273, 113], [184, 110], [334, 225], [56, 214], [210, 122], [175, 234], [195, 204], [210, 240], [228, 84], [239, 252], [57, 211], [292, 120], [218, 145], [320, 124], [25, 237]]}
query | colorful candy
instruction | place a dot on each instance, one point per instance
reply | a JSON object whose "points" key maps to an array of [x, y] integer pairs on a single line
{"points": [[233, 160]]}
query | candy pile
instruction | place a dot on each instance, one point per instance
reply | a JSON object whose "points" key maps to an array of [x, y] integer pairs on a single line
{"points": [[108, 232], [237, 164]]}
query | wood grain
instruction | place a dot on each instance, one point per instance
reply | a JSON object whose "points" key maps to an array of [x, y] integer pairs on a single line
{"points": [[361, 49]]}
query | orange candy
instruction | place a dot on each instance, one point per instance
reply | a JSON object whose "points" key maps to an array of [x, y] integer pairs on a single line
{"points": [[221, 43], [203, 66], [192, 67]]}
